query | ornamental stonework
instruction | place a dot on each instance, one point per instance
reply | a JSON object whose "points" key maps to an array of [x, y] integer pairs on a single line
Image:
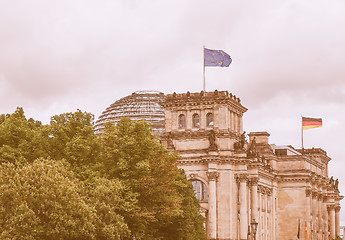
{"points": [[243, 177], [212, 176], [253, 181]]}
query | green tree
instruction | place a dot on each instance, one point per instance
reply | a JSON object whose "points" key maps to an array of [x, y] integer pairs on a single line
{"points": [[71, 136], [20, 138], [132, 153], [44, 200], [122, 185], [189, 224]]}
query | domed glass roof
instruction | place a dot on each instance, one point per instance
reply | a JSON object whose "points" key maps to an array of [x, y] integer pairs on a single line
{"points": [[139, 105]]}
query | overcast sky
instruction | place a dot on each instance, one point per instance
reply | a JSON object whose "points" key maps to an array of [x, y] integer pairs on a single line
{"points": [[288, 59]]}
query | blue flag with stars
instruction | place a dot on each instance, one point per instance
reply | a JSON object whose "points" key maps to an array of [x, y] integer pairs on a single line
{"points": [[216, 58]]}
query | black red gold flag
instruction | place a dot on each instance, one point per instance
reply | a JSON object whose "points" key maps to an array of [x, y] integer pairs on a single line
{"points": [[308, 123]]}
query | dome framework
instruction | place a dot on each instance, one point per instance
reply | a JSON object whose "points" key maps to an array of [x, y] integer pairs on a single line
{"points": [[139, 105]]}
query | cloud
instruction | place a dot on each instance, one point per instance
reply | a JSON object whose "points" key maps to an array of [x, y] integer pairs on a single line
{"points": [[288, 56]]}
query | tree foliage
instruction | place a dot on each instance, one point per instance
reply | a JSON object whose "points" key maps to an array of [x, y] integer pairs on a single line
{"points": [[20, 139], [44, 200], [132, 153], [122, 185]]}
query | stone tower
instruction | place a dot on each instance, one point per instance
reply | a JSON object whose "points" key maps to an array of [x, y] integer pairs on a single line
{"points": [[203, 128], [239, 183]]}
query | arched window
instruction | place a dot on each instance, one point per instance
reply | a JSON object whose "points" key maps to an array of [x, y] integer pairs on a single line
{"points": [[209, 120], [196, 120], [181, 121], [200, 190]]}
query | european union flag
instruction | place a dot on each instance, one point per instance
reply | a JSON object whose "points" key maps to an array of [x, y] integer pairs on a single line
{"points": [[216, 58]]}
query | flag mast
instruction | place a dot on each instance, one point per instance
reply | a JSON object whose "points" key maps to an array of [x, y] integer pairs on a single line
{"points": [[215, 58], [204, 68], [307, 123], [302, 133]]}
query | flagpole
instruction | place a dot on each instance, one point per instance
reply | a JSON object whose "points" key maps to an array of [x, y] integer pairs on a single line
{"points": [[302, 134], [204, 68]]}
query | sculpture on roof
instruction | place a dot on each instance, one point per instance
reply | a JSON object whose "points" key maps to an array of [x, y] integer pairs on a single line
{"points": [[241, 144], [336, 183], [252, 148], [212, 140]]}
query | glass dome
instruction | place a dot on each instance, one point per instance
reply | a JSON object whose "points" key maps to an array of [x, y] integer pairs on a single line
{"points": [[139, 105]]}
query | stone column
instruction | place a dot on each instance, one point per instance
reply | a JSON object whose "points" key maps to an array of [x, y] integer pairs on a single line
{"points": [[319, 216], [234, 121], [325, 217], [258, 232], [269, 214], [337, 220], [314, 227], [242, 180], [188, 120], [241, 124], [212, 205], [254, 198], [331, 217], [308, 207]]}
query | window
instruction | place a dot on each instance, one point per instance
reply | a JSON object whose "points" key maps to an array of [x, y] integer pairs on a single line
{"points": [[196, 121], [209, 120], [200, 190], [181, 121]]}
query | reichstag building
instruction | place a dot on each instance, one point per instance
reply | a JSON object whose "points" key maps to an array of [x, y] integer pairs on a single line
{"points": [[241, 183]]}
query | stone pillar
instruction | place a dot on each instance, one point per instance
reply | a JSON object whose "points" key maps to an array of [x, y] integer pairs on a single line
{"points": [[188, 120], [202, 119], [242, 180], [319, 215], [241, 124], [337, 220], [314, 226], [269, 214], [238, 123], [234, 121], [325, 217], [212, 205], [308, 194], [259, 230], [254, 198], [331, 217], [308, 208]]}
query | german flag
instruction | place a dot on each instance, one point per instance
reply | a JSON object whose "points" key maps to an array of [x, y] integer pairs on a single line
{"points": [[308, 123]]}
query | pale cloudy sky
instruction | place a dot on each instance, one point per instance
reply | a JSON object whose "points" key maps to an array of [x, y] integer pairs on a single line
{"points": [[288, 57]]}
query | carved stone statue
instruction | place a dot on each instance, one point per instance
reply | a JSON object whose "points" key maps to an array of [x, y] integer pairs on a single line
{"points": [[336, 183], [212, 139], [240, 145], [170, 141], [331, 181], [252, 148]]}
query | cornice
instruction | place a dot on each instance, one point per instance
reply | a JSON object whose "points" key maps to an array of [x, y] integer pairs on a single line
{"points": [[219, 159], [203, 98], [300, 158], [186, 134]]}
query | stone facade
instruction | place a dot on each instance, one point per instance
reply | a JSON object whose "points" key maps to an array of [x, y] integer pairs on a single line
{"points": [[238, 180]]}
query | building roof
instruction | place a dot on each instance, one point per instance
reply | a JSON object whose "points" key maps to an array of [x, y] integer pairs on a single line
{"points": [[139, 105]]}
